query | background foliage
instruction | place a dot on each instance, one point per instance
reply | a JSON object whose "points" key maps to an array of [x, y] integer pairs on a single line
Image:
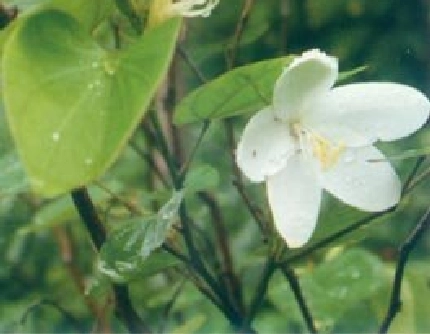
{"points": [[50, 276]]}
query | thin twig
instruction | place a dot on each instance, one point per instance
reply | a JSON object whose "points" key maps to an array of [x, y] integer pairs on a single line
{"points": [[416, 180], [238, 33], [150, 161], [89, 216], [405, 249], [67, 251], [295, 287], [231, 280], [187, 163], [184, 54], [66, 314], [128, 205], [196, 261], [260, 292], [255, 212], [326, 241]]}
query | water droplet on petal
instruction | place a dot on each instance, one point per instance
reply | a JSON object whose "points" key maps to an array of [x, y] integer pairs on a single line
{"points": [[56, 136], [348, 158]]}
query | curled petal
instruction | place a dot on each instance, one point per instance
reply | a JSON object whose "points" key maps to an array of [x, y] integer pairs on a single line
{"points": [[264, 147], [305, 81], [294, 197], [384, 111], [364, 179]]}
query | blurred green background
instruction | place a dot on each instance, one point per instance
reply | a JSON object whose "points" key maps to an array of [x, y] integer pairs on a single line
{"points": [[46, 259]]}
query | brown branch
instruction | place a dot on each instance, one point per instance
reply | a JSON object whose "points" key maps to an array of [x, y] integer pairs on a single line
{"points": [[326, 241], [238, 33], [67, 251], [123, 307], [405, 249], [231, 280], [66, 314], [269, 269]]}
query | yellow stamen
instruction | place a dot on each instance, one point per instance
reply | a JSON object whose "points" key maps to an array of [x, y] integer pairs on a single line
{"points": [[326, 152]]}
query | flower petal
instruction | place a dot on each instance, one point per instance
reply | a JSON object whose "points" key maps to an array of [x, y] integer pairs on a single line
{"points": [[265, 146], [303, 82], [363, 178], [294, 197], [385, 111]]}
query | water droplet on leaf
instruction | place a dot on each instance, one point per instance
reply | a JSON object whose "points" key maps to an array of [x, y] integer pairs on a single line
{"points": [[56, 136]]}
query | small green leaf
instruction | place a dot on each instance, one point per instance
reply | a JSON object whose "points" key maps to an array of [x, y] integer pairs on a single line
{"points": [[62, 210], [72, 105], [124, 254], [349, 74], [242, 90], [12, 176], [407, 154], [201, 178]]}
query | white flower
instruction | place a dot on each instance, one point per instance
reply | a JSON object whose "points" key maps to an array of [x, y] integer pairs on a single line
{"points": [[193, 8], [316, 137], [162, 10]]}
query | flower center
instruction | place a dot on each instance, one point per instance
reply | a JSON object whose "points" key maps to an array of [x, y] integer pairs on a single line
{"points": [[310, 142]]}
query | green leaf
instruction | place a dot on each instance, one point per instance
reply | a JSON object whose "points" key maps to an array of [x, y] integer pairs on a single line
{"points": [[242, 90], [12, 176], [339, 284], [348, 74], [72, 105], [88, 13], [62, 210], [336, 286], [407, 154], [201, 178], [125, 253]]}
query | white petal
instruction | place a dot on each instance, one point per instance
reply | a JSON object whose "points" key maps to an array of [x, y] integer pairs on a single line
{"points": [[303, 82], [385, 111], [187, 8], [358, 180], [265, 146], [294, 197]]}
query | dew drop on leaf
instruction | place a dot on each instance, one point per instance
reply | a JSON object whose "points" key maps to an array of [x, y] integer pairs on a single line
{"points": [[56, 136]]}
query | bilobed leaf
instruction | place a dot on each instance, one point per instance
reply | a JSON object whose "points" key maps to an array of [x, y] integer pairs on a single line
{"points": [[88, 13], [242, 90], [201, 177], [72, 105], [124, 254]]}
